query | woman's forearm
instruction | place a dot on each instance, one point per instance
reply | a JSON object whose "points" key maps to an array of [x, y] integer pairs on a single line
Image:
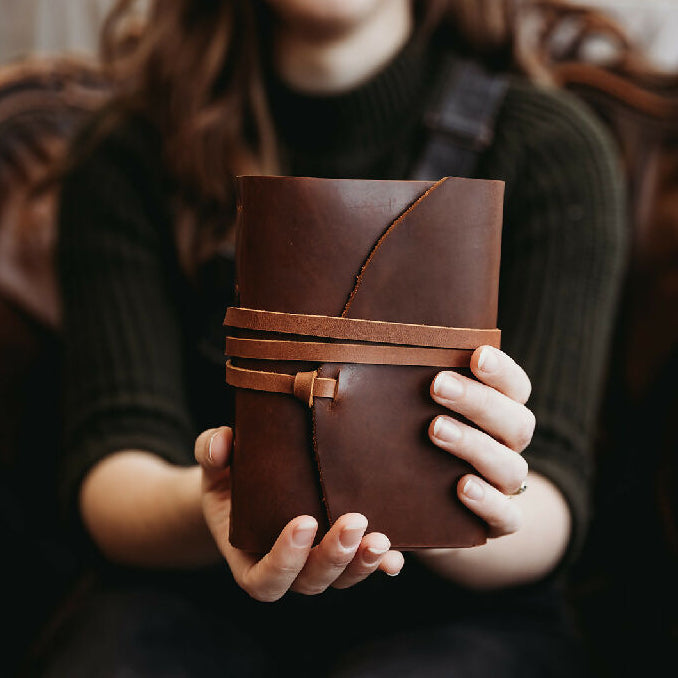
{"points": [[142, 511], [525, 556]]}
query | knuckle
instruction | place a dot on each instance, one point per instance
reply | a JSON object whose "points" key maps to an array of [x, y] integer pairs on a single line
{"points": [[285, 569], [481, 454], [465, 439], [309, 589], [261, 593], [335, 558], [521, 468], [504, 516], [532, 420], [514, 474], [518, 383], [280, 566], [478, 398], [338, 561], [496, 515], [362, 571], [524, 431], [265, 595]]}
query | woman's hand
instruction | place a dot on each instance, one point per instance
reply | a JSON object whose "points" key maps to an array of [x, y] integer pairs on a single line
{"points": [[534, 527], [344, 557], [496, 405]]}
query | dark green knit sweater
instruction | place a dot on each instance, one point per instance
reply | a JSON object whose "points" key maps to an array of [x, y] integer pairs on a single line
{"points": [[144, 348]]}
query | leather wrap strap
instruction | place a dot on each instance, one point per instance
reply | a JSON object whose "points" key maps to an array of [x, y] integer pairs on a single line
{"points": [[385, 343], [374, 331], [364, 354]]}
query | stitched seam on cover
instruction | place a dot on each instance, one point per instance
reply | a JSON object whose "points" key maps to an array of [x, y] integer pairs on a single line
{"points": [[382, 238]]}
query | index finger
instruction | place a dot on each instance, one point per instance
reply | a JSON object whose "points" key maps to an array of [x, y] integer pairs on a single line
{"points": [[498, 370]]}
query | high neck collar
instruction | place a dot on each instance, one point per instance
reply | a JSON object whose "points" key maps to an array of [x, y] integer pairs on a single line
{"points": [[348, 134]]}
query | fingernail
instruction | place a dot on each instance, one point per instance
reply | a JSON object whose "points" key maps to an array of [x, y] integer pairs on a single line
{"points": [[303, 534], [395, 574], [446, 429], [372, 555], [487, 360], [446, 385], [209, 451], [350, 536], [474, 490]]}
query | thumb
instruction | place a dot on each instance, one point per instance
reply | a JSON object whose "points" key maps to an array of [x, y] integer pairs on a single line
{"points": [[213, 450]]}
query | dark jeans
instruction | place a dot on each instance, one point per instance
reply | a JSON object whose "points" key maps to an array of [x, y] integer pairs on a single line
{"points": [[176, 627]]}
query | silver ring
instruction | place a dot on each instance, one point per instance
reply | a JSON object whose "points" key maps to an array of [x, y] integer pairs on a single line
{"points": [[520, 490]]}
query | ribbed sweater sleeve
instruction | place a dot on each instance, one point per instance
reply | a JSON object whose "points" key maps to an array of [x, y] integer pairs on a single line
{"points": [[123, 346], [564, 242]]}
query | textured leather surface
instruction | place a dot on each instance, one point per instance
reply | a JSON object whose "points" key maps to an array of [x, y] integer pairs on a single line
{"points": [[318, 246], [376, 458]]}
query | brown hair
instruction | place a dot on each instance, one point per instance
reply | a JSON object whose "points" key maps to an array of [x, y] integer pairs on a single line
{"points": [[195, 71]]}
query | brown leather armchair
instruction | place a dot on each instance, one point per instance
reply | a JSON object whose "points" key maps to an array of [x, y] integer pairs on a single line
{"points": [[42, 104]]}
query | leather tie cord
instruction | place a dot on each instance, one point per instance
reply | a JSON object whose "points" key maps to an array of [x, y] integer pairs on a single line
{"points": [[363, 354], [390, 344], [374, 331], [304, 385]]}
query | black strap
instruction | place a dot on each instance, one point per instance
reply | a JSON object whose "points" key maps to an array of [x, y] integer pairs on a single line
{"points": [[460, 120]]}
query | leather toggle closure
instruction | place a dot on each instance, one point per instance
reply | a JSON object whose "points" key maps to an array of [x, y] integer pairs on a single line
{"points": [[303, 386]]}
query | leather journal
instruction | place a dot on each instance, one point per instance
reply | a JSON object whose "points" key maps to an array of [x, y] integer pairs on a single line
{"points": [[352, 295]]}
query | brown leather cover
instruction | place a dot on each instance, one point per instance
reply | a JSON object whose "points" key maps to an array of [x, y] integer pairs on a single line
{"points": [[375, 250]]}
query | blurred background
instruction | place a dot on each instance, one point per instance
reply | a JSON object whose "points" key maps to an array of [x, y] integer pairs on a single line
{"points": [[72, 26], [50, 26], [652, 23]]}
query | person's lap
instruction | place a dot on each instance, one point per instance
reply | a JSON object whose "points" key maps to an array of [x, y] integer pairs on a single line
{"points": [[475, 648], [149, 634]]}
